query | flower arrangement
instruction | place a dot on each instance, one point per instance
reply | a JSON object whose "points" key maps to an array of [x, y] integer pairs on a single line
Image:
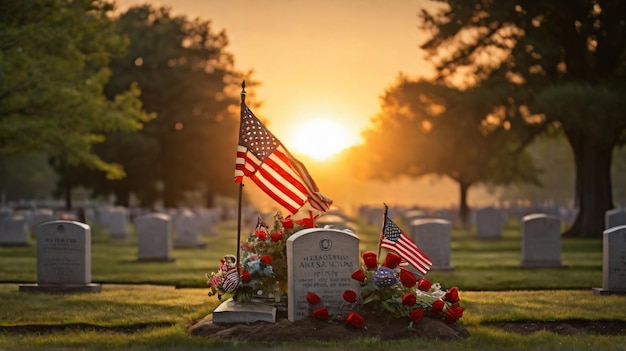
{"points": [[393, 291], [263, 269]]}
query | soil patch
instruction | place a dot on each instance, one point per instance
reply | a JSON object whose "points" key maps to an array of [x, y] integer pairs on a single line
{"points": [[331, 329]]}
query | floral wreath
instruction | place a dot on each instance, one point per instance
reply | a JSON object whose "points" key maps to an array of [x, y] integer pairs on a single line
{"points": [[391, 290], [263, 269]]}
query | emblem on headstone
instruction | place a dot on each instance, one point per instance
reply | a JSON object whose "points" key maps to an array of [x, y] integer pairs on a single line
{"points": [[326, 244]]}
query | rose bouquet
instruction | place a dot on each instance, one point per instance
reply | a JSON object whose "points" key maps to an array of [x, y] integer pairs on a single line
{"points": [[263, 269], [391, 290]]}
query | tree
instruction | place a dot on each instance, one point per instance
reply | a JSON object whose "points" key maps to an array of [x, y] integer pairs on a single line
{"points": [[188, 80], [427, 128], [571, 47], [53, 67]]}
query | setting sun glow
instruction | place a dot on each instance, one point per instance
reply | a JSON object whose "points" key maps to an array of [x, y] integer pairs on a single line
{"points": [[320, 139]]}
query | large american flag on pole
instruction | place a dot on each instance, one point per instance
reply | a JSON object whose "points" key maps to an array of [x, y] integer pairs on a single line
{"points": [[393, 238], [263, 158]]}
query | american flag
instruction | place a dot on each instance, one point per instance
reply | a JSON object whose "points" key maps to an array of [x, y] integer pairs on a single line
{"points": [[263, 158], [261, 225], [393, 238]]}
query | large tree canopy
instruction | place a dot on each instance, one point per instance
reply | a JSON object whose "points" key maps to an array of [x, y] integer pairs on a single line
{"points": [[430, 129], [187, 78], [572, 47], [53, 67]]}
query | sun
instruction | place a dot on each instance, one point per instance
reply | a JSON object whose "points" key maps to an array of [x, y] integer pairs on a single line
{"points": [[321, 138]]}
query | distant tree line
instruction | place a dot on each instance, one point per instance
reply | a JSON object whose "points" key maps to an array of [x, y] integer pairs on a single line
{"points": [[509, 71]]}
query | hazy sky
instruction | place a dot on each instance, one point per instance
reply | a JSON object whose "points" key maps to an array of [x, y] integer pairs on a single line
{"points": [[325, 59], [315, 59]]}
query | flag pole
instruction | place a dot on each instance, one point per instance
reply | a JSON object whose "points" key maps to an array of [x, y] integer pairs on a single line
{"points": [[382, 232], [243, 100]]}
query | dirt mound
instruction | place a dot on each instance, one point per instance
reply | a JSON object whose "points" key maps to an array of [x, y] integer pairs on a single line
{"points": [[330, 329]]}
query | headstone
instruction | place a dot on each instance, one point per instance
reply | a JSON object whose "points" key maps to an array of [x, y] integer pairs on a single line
{"points": [[117, 224], [411, 215], [613, 262], [186, 230], [541, 241], [13, 231], [489, 222], [320, 261], [335, 222], [433, 237], [63, 258], [614, 218], [154, 237]]}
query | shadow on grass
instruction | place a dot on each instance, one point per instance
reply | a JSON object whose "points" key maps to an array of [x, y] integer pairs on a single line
{"points": [[47, 329]]}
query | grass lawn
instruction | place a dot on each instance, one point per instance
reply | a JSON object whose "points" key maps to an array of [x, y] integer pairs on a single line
{"points": [[149, 305]]}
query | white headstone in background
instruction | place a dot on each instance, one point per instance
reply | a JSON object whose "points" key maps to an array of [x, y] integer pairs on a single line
{"points": [[614, 218], [63, 258], [154, 238], [320, 261], [186, 230], [613, 262], [433, 237], [13, 231], [489, 223], [541, 241], [117, 225]]}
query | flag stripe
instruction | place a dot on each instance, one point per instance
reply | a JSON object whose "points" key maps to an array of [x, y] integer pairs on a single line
{"points": [[262, 158]]}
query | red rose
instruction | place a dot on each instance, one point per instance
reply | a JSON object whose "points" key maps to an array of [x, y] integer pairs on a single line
{"points": [[350, 296], [355, 320], [408, 299], [392, 260], [453, 314], [452, 295], [287, 223], [416, 314], [246, 277], [407, 278], [267, 259], [359, 275], [320, 313], [276, 237], [437, 307], [369, 258], [423, 284], [260, 234], [306, 222], [312, 298]]}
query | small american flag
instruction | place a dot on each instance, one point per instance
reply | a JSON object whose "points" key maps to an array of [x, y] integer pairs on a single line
{"points": [[263, 158], [393, 238]]}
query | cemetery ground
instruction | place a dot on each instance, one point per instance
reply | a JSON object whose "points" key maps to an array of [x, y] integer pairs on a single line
{"points": [[150, 305]]}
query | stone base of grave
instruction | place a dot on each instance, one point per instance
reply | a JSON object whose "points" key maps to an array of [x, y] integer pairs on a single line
{"points": [[542, 264], [231, 311], [600, 291], [58, 288]]}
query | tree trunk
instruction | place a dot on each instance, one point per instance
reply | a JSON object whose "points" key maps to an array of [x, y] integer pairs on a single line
{"points": [[593, 193], [463, 207]]}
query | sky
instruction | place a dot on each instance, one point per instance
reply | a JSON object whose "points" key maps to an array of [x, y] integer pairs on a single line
{"points": [[318, 59], [324, 60]]}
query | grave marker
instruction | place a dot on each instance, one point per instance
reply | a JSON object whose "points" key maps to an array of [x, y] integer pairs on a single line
{"points": [[63, 258], [613, 262], [154, 237], [541, 241], [320, 261], [433, 236]]}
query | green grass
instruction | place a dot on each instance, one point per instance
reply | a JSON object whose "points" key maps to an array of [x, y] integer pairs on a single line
{"points": [[493, 288]]}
